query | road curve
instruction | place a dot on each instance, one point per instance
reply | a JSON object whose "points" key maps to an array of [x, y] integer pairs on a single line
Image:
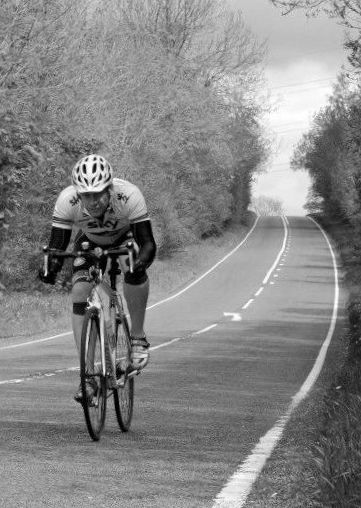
{"points": [[229, 353]]}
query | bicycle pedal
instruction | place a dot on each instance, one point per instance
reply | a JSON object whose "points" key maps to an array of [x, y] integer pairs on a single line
{"points": [[121, 382], [93, 403]]}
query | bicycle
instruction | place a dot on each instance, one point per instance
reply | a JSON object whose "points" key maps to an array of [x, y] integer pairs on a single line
{"points": [[104, 357]]}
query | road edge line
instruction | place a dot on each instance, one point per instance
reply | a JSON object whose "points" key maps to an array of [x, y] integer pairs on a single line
{"points": [[239, 486]]}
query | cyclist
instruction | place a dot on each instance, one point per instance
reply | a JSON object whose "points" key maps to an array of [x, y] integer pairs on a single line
{"points": [[104, 209]]}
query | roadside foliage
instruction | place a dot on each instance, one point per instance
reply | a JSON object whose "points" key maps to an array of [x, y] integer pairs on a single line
{"points": [[331, 153], [167, 90]]}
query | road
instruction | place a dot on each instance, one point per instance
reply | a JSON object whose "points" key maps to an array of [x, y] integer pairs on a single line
{"points": [[229, 354]]}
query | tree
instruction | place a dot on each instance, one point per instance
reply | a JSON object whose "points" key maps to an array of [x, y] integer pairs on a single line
{"points": [[166, 89], [266, 205], [330, 152], [347, 12]]}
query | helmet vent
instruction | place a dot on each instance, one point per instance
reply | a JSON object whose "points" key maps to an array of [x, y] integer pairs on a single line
{"points": [[92, 174]]}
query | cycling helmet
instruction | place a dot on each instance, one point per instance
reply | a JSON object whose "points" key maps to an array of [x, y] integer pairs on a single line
{"points": [[92, 174]]}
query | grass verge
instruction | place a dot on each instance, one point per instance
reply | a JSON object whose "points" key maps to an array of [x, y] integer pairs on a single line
{"points": [[47, 310], [318, 460]]}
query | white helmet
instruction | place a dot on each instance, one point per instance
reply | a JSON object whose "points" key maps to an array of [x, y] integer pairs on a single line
{"points": [[92, 174]]}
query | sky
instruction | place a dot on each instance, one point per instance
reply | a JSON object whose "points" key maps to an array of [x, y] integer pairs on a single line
{"points": [[303, 60]]}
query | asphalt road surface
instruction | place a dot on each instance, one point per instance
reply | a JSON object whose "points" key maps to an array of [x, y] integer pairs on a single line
{"points": [[229, 353]]}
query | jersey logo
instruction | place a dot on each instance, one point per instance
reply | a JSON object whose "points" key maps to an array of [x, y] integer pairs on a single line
{"points": [[109, 224], [122, 197], [74, 201]]}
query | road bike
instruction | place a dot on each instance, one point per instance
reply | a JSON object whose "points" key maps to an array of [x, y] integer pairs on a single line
{"points": [[105, 352]]}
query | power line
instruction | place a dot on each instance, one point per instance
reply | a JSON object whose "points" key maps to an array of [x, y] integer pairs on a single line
{"points": [[292, 130], [300, 83]]}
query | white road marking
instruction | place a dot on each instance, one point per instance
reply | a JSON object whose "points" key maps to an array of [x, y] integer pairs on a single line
{"points": [[167, 343], [41, 375], [269, 273], [259, 291], [208, 271], [155, 304], [205, 329], [236, 316], [251, 300], [30, 342], [239, 486]]}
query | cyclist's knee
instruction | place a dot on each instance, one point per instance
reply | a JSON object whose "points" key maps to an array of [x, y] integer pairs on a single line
{"points": [[80, 291], [136, 278]]}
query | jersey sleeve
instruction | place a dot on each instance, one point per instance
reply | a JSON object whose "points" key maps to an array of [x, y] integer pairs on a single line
{"points": [[137, 208], [63, 216]]}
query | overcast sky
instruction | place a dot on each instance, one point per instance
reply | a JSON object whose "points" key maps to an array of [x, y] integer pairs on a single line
{"points": [[304, 58]]}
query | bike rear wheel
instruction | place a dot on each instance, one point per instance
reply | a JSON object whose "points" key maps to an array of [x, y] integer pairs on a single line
{"points": [[124, 394], [91, 375]]}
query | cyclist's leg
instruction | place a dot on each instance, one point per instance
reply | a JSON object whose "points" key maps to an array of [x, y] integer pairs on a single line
{"points": [[136, 296], [80, 290], [136, 290]]}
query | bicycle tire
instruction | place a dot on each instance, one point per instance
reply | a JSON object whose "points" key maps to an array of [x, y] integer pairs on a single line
{"points": [[91, 372], [123, 395]]}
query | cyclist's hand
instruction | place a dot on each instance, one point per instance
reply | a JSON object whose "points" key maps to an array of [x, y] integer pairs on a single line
{"points": [[54, 266], [139, 265], [49, 278]]}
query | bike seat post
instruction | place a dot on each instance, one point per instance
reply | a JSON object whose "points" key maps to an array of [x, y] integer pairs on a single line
{"points": [[113, 272]]}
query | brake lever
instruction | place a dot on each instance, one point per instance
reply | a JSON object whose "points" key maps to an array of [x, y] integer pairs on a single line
{"points": [[46, 261], [131, 257]]}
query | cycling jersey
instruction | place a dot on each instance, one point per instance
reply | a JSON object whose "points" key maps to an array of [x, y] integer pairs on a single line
{"points": [[126, 206]]}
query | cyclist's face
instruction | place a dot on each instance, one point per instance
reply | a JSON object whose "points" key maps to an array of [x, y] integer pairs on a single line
{"points": [[96, 202]]}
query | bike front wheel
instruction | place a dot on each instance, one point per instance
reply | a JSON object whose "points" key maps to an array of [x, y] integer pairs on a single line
{"points": [[124, 393], [93, 382]]}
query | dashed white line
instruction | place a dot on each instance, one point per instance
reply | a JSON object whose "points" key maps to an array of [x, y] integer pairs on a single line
{"points": [[167, 343], [71, 369], [205, 329], [259, 291], [269, 273], [251, 300]]}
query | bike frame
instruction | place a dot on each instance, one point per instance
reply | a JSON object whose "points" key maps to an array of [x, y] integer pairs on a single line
{"points": [[96, 301], [102, 293], [101, 284]]}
